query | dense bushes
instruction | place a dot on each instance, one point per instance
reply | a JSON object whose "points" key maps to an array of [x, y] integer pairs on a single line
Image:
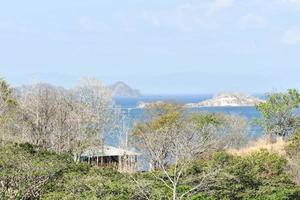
{"points": [[29, 172], [25, 170], [260, 175]]}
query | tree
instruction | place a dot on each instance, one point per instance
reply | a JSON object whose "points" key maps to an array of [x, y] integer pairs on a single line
{"points": [[259, 175], [98, 98], [292, 150], [8, 111], [231, 130], [171, 142], [278, 116], [39, 104], [66, 120], [97, 114]]}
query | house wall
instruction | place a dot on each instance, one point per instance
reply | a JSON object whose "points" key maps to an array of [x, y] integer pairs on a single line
{"points": [[121, 163]]}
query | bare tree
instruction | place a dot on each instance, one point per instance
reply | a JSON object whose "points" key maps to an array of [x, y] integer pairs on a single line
{"points": [[98, 114], [91, 92], [233, 131], [38, 103], [171, 143], [67, 120], [63, 124]]}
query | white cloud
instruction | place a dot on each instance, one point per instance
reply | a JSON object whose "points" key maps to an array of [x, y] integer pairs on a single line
{"points": [[184, 18], [155, 20], [223, 3], [13, 26], [87, 24], [252, 21], [217, 6], [292, 1], [292, 36], [91, 25], [189, 16]]}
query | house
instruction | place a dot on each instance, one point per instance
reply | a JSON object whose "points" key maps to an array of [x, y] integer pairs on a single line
{"points": [[111, 157]]}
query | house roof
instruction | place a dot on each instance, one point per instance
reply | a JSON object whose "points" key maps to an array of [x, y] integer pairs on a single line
{"points": [[108, 151]]}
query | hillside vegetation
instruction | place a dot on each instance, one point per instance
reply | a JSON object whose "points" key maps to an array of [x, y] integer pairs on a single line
{"points": [[30, 172], [193, 156]]}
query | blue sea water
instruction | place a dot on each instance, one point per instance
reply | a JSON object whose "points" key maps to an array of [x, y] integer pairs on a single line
{"points": [[129, 107], [133, 114], [131, 103]]}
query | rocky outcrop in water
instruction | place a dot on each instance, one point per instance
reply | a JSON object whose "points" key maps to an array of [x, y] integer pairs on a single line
{"points": [[227, 100]]}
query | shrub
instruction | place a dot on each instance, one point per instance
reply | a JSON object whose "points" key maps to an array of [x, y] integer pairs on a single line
{"points": [[30, 172], [258, 175]]}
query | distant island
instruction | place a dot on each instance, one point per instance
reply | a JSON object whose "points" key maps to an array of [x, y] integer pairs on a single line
{"points": [[143, 105], [121, 89], [227, 100]]}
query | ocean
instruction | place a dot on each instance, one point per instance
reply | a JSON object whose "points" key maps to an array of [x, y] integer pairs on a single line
{"points": [[131, 103], [129, 107]]}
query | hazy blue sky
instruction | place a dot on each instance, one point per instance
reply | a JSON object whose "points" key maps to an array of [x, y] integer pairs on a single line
{"points": [[157, 46]]}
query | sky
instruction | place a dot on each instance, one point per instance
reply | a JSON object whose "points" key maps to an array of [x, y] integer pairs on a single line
{"points": [[158, 46]]}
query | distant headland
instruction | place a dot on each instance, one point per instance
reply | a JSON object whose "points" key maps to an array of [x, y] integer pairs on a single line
{"points": [[121, 89]]}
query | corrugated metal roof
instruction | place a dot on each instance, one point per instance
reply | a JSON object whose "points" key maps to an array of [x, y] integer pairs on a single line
{"points": [[108, 151]]}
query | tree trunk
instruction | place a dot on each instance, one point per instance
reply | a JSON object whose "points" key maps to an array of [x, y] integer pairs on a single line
{"points": [[76, 158], [174, 192]]}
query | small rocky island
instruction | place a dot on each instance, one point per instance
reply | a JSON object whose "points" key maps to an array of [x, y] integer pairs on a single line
{"points": [[228, 100], [143, 105]]}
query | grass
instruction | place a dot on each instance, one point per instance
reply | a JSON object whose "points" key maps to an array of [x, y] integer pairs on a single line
{"points": [[276, 146]]}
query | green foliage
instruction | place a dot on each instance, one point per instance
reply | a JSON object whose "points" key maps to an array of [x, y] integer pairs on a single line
{"points": [[277, 113], [260, 175], [6, 93], [26, 169], [293, 153], [207, 118], [201, 197], [8, 112], [202, 120], [163, 117], [293, 146], [29, 172]]}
